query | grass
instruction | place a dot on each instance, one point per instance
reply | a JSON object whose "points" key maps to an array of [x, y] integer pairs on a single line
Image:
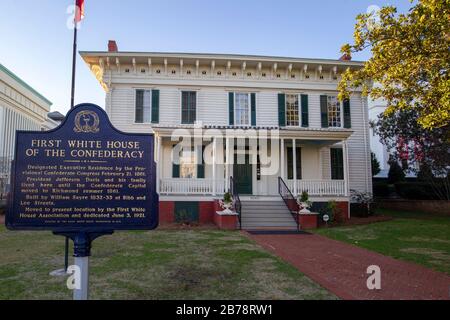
{"points": [[164, 264], [411, 236]]}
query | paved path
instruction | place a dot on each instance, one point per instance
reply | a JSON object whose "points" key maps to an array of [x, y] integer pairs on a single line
{"points": [[341, 268]]}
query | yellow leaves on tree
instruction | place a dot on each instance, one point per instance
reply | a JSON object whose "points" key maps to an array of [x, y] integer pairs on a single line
{"points": [[410, 61]]}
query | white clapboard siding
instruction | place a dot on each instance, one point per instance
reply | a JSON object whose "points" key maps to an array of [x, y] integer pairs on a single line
{"points": [[358, 147], [267, 108], [212, 109], [212, 106]]}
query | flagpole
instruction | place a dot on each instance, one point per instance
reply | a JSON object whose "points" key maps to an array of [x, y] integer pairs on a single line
{"points": [[74, 61], [72, 104]]}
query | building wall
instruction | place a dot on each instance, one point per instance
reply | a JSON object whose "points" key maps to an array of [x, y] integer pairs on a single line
{"points": [[21, 108], [212, 109]]}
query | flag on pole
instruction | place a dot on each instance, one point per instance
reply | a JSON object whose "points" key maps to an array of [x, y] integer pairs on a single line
{"points": [[79, 10]]}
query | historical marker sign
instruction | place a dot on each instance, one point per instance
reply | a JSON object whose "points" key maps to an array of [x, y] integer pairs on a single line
{"points": [[84, 176]]}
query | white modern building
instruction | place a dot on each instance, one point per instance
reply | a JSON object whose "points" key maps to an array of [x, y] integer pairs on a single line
{"points": [[321, 144], [376, 108], [21, 108]]}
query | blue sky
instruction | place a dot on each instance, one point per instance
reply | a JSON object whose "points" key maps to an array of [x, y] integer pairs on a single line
{"points": [[37, 45]]}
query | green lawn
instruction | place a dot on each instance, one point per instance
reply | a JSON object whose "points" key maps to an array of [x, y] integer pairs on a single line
{"points": [[415, 237], [181, 264]]}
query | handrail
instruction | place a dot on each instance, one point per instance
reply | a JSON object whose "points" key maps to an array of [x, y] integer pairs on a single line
{"points": [[236, 199], [289, 200]]}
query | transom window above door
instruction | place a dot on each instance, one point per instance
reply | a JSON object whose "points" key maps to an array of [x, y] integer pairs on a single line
{"points": [[188, 107], [242, 108], [334, 112], [292, 110]]}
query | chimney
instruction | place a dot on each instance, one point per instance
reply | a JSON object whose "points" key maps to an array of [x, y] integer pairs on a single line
{"points": [[346, 57], [112, 46]]}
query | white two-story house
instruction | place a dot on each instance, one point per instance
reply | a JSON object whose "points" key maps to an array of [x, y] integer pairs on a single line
{"points": [[267, 128]]}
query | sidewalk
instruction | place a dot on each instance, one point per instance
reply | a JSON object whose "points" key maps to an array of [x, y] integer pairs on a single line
{"points": [[341, 268]]}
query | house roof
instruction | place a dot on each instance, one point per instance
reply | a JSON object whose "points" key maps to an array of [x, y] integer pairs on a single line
{"points": [[24, 84], [218, 56]]}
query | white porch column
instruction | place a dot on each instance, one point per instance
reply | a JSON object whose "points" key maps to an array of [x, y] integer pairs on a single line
{"points": [[227, 164], [282, 159], [346, 169], [214, 166], [294, 157], [159, 165]]}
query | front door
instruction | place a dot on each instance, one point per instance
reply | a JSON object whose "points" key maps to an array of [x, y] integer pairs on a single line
{"points": [[243, 176]]}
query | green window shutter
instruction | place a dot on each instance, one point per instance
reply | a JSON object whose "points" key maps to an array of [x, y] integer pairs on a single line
{"points": [[231, 108], [175, 167], [201, 163], [347, 114], [281, 109], [324, 111], [305, 111], [299, 163], [253, 98], [155, 106], [337, 164], [139, 110], [290, 163], [175, 170]]}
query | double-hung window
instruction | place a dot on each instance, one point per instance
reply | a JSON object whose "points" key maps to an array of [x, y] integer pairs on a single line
{"points": [[242, 109], [188, 107], [143, 110], [187, 164], [334, 112], [292, 111]]}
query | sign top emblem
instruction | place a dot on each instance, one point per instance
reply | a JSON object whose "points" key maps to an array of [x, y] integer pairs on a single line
{"points": [[87, 122]]}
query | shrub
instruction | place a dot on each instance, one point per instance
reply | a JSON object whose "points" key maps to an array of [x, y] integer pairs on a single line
{"points": [[381, 189], [419, 190], [375, 164], [396, 173]]}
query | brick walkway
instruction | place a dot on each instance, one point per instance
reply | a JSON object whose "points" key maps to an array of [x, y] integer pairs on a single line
{"points": [[341, 268]]}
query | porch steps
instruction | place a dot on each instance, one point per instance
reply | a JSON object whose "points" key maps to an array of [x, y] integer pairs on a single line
{"points": [[266, 215]]}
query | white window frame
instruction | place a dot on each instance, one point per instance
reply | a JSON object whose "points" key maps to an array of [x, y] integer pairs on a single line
{"points": [[249, 109], [151, 106], [299, 110], [193, 163], [341, 111]]}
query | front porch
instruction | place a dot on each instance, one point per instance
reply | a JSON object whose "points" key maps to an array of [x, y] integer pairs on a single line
{"points": [[303, 159], [210, 187]]}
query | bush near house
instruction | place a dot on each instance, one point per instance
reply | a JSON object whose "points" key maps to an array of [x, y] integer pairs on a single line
{"points": [[420, 190], [381, 189]]}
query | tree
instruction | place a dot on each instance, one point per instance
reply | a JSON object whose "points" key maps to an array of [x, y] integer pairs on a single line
{"points": [[396, 173], [375, 164], [428, 149], [410, 60]]}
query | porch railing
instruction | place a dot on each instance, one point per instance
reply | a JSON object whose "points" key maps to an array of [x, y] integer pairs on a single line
{"points": [[236, 200], [289, 200], [192, 186], [319, 187]]}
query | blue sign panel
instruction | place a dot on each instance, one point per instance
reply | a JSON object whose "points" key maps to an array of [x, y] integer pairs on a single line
{"points": [[84, 176]]}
